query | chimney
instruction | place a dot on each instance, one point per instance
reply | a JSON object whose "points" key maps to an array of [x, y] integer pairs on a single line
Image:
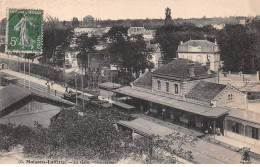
{"points": [[181, 42], [216, 42], [191, 69], [208, 67], [160, 63]]}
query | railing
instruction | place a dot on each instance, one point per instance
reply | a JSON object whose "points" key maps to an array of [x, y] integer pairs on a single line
{"points": [[39, 88]]}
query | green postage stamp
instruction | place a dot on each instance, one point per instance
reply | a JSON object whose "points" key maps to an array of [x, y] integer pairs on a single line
{"points": [[24, 31]]}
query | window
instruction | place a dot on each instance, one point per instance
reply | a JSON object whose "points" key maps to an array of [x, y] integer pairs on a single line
{"points": [[159, 85], [255, 133], [176, 89], [167, 87], [230, 97], [208, 57], [235, 127]]}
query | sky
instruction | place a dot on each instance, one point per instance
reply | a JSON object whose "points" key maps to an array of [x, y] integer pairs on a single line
{"points": [[136, 9]]}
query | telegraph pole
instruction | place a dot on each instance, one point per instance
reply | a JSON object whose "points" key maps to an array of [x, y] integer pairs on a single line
{"points": [[76, 89], [82, 82]]}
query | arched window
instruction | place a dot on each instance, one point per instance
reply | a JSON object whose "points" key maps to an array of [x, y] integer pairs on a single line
{"points": [[167, 87], [159, 85], [176, 89]]}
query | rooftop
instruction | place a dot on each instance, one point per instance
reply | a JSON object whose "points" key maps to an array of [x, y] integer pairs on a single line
{"points": [[205, 46], [179, 69], [205, 91], [12, 94], [147, 128], [144, 81], [109, 85]]}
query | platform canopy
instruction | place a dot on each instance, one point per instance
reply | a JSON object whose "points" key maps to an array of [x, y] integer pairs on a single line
{"points": [[123, 105], [147, 128], [182, 104]]}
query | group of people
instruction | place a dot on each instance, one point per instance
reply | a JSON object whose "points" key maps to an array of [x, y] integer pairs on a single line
{"points": [[49, 84], [211, 130]]}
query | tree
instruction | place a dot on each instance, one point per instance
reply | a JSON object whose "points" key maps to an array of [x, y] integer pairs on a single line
{"points": [[169, 37], [129, 54], [75, 22], [55, 35], [239, 48], [168, 17], [89, 21], [86, 46], [93, 136]]}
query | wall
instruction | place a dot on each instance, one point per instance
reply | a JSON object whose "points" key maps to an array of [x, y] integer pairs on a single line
{"points": [[33, 111], [214, 57], [163, 86], [239, 100], [243, 139]]}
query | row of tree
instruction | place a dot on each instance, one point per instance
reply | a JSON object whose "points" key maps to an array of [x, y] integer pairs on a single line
{"points": [[239, 44]]}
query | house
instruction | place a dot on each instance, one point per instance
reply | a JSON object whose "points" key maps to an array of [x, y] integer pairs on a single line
{"points": [[218, 26], [98, 31], [156, 54], [147, 34], [185, 93], [136, 30], [21, 106], [201, 51]]}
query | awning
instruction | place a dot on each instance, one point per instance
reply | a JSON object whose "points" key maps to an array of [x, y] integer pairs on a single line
{"points": [[245, 117], [123, 105], [109, 86], [146, 128], [181, 104]]}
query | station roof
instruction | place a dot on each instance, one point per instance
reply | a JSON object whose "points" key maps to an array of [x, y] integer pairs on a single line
{"points": [[9, 78], [123, 105], [144, 81], [109, 85], [179, 68], [147, 128], [11, 94], [182, 104], [205, 91]]}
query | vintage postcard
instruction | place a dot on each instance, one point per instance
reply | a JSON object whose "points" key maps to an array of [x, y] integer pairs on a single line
{"points": [[129, 82]]}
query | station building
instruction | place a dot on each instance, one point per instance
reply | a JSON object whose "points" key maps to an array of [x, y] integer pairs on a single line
{"points": [[186, 93]]}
